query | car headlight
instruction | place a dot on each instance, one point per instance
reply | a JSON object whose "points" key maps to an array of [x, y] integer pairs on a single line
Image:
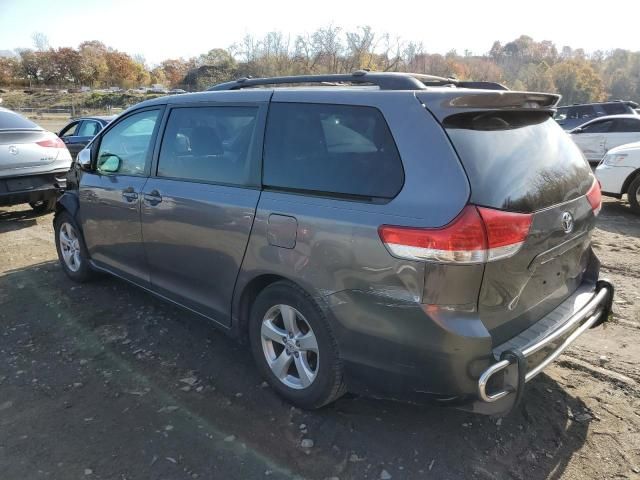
{"points": [[614, 159]]}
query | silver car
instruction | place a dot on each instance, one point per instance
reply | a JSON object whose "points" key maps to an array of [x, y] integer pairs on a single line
{"points": [[33, 163]]}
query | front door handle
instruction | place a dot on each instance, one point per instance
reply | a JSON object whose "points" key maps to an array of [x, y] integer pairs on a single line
{"points": [[152, 198], [129, 194]]}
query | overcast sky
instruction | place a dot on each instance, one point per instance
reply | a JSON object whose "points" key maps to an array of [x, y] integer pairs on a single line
{"points": [[169, 29]]}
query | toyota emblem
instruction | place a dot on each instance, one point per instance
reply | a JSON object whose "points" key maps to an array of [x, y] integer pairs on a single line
{"points": [[13, 150], [567, 222]]}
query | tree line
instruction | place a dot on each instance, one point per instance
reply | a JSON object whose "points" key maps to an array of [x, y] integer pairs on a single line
{"points": [[521, 64]]}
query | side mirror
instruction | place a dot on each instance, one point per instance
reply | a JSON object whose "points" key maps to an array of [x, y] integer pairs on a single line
{"points": [[84, 159], [109, 163], [577, 130]]}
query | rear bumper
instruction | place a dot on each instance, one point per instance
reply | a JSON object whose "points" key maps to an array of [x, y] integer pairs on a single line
{"points": [[501, 386], [402, 351], [31, 188]]}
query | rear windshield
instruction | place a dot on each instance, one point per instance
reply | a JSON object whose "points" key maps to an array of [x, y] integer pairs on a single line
{"points": [[10, 120], [519, 161]]}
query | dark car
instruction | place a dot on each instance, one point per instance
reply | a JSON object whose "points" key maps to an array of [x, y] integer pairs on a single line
{"points": [[77, 134], [397, 235], [573, 116]]}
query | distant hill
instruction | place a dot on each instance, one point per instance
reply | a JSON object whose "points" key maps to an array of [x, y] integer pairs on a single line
{"points": [[7, 53]]}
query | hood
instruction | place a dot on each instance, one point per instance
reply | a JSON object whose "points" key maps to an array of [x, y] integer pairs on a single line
{"points": [[625, 148]]}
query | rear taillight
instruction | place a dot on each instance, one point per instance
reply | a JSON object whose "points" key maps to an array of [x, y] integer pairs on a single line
{"points": [[51, 143], [506, 231], [594, 195], [476, 235]]}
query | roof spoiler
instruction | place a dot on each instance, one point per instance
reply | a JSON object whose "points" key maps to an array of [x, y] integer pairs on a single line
{"points": [[458, 102]]}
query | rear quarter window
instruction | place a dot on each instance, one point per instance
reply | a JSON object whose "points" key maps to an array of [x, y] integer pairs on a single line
{"points": [[338, 150], [615, 108]]}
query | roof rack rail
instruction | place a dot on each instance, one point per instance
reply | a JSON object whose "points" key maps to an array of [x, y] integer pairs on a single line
{"points": [[383, 80]]}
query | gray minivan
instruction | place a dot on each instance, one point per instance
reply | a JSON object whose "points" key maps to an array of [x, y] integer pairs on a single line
{"points": [[396, 235]]}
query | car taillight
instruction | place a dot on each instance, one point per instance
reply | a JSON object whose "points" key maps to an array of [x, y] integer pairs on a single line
{"points": [[476, 235], [51, 143], [594, 195]]}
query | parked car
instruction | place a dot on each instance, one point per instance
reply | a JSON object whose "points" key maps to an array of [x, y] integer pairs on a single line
{"points": [[398, 241], [619, 174], [575, 115], [80, 131], [33, 163], [177, 91], [598, 136]]}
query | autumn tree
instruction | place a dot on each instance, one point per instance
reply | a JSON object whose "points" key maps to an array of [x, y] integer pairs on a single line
{"points": [[577, 82]]}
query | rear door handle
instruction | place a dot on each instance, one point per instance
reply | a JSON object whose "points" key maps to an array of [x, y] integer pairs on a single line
{"points": [[153, 198], [129, 195]]}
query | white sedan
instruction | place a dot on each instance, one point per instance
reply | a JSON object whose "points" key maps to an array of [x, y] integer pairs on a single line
{"points": [[598, 136], [619, 173]]}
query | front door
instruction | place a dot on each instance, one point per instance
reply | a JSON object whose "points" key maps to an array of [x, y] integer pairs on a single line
{"points": [[592, 139], [198, 207], [110, 195]]}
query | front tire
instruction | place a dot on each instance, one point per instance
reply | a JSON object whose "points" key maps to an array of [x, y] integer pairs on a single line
{"points": [[633, 194], [294, 348], [72, 252]]}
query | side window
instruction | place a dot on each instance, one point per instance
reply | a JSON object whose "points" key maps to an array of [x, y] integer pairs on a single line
{"points": [[69, 130], [598, 127], [331, 149], [210, 144], [126, 148], [615, 108], [582, 112], [626, 125], [88, 128]]}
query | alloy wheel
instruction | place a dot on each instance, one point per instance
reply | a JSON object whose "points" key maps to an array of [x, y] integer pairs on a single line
{"points": [[290, 346], [70, 246]]}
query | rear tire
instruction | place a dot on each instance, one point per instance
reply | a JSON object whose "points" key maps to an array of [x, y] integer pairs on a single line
{"points": [[45, 205], [72, 252], [633, 194], [294, 347]]}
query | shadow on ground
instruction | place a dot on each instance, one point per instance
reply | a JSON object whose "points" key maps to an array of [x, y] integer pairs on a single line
{"points": [[11, 220], [616, 217], [106, 379]]}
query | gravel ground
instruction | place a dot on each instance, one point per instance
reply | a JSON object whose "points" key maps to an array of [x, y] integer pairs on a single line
{"points": [[105, 381]]}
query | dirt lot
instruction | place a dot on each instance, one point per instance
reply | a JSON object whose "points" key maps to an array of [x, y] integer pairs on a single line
{"points": [[105, 381]]}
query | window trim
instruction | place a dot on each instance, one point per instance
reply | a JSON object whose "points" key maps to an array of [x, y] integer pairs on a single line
{"points": [[261, 117], [67, 127], [350, 197], [97, 143]]}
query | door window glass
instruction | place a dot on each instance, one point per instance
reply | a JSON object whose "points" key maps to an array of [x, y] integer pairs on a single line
{"points": [[88, 128], [126, 148], [210, 144], [69, 130], [626, 125], [598, 127]]}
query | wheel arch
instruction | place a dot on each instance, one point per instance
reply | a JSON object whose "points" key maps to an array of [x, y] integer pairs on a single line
{"points": [[70, 202], [628, 180], [245, 297]]}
